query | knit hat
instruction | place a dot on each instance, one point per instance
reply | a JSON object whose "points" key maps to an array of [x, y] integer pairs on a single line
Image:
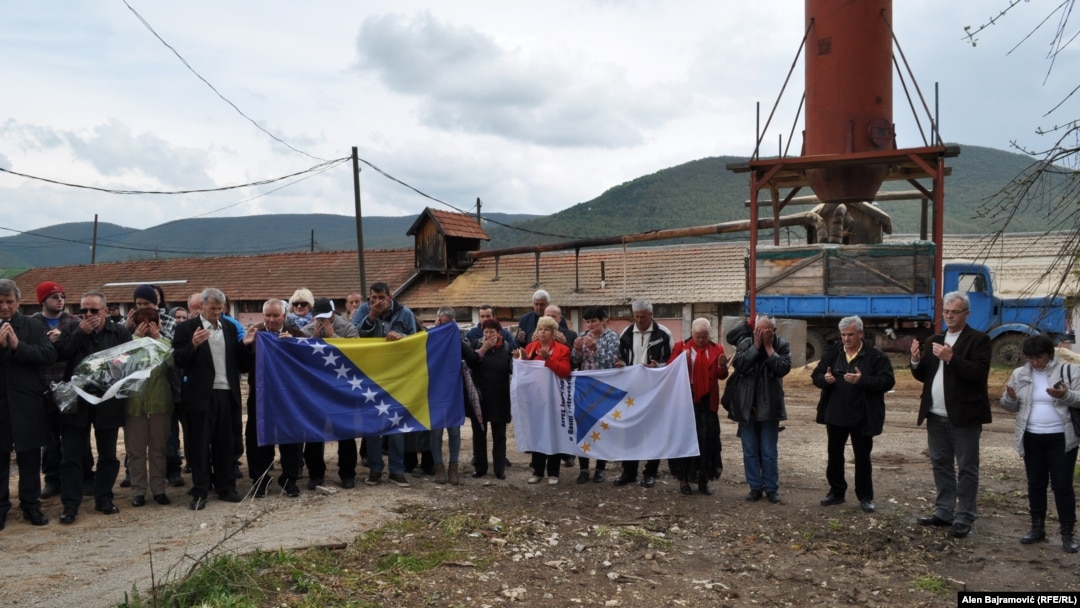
{"points": [[147, 293], [46, 289]]}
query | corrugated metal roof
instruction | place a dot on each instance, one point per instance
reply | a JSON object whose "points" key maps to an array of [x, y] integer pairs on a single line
{"points": [[662, 275]]}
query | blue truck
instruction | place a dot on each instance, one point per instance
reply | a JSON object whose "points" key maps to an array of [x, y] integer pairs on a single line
{"points": [[891, 287]]}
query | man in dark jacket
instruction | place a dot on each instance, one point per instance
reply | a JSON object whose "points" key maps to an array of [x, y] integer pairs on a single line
{"points": [[24, 427], [853, 377], [954, 368], [647, 343], [93, 334], [207, 351], [51, 297], [761, 362]]}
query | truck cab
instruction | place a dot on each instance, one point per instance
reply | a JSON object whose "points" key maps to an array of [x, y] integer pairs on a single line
{"points": [[1006, 320]]}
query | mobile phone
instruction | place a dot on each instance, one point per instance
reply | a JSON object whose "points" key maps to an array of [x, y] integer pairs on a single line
{"points": [[1059, 386]]}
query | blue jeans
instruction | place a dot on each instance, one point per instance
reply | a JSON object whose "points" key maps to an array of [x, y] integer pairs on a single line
{"points": [[954, 458], [396, 443], [760, 454], [455, 444]]}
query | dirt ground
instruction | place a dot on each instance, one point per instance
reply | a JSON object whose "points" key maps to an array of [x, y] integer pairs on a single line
{"points": [[596, 544]]}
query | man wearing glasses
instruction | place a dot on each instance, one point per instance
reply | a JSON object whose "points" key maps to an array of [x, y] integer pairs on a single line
{"points": [[93, 334], [954, 368], [51, 297]]}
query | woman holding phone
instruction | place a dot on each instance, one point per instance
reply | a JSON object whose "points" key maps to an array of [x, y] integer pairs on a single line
{"points": [[1041, 393]]}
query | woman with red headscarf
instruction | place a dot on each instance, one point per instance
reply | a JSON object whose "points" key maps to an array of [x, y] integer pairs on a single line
{"points": [[707, 364]]}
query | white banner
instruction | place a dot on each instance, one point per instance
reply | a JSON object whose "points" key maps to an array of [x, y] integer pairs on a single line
{"points": [[629, 413]]}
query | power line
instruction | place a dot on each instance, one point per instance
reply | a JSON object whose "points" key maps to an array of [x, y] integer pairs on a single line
{"points": [[212, 88], [319, 167]]}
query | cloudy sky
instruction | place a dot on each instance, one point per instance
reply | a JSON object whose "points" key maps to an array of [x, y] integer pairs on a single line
{"points": [[532, 107]]}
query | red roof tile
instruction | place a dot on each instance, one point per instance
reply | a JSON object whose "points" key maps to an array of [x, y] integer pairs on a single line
{"points": [[451, 224], [331, 274]]}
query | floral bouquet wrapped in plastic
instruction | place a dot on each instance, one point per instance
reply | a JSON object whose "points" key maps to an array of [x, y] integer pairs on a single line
{"points": [[116, 372]]}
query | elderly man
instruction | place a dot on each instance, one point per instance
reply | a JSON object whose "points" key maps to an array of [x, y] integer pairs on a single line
{"points": [[382, 317], [853, 377], [93, 334], [761, 360], [954, 368], [352, 303], [527, 323], [51, 297], [206, 350], [261, 458], [326, 324], [647, 343], [24, 426]]}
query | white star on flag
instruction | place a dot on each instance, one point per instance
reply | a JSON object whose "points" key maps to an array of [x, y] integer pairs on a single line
{"points": [[317, 348], [406, 428], [342, 372], [384, 408], [395, 419], [356, 383], [330, 359], [369, 395]]}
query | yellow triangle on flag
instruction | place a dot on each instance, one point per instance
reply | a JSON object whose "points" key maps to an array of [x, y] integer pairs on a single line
{"points": [[399, 368]]}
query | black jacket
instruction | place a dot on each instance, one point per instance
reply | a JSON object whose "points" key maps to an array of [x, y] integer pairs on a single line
{"points": [[197, 364], [660, 343], [23, 421], [966, 375], [759, 392], [851, 405], [73, 346]]}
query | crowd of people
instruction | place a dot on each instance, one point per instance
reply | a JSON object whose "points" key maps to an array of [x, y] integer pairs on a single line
{"points": [[196, 396]]}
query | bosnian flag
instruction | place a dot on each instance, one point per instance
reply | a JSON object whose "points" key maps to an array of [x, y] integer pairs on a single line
{"points": [[629, 413]]}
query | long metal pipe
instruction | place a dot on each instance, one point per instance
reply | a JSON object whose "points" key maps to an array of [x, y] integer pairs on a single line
{"points": [[810, 220]]}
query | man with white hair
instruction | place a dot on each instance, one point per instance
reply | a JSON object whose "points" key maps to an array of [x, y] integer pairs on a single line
{"points": [[206, 348], [527, 323], [647, 343], [761, 360]]}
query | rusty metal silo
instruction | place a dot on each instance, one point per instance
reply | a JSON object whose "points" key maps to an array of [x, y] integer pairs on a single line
{"points": [[848, 93]]}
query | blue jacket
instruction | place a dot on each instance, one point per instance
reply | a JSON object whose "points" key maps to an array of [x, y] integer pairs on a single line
{"points": [[398, 318]]}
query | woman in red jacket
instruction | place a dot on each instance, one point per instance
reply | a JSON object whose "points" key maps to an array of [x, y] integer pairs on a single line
{"points": [[556, 357], [707, 364]]}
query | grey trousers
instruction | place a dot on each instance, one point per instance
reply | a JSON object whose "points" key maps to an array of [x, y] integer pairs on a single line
{"points": [[954, 457], [145, 439]]}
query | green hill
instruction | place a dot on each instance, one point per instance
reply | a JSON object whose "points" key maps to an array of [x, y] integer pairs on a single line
{"points": [[695, 193]]}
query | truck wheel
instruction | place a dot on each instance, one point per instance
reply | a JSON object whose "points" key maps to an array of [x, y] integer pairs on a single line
{"points": [[1007, 350], [815, 346]]}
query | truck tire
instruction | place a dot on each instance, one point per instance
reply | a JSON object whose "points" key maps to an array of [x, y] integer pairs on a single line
{"points": [[815, 345], [1007, 350]]}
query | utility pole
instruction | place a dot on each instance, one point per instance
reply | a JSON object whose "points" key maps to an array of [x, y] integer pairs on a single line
{"points": [[481, 243], [93, 243], [359, 220], [312, 240]]}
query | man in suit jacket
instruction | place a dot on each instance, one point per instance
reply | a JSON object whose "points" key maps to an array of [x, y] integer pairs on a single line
{"points": [[954, 369], [206, 350]]}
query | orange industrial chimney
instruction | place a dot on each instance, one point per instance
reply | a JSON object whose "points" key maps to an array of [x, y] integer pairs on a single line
{"points": [[848, 93]]}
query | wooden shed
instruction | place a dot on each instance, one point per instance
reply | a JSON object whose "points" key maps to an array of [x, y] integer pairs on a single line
{"points": [[443, 238]]}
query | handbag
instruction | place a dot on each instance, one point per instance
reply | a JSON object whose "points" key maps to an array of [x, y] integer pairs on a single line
{"points": [[472, 392], [1074, 413]]}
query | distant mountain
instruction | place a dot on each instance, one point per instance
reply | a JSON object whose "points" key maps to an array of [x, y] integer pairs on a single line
{"points": [[66, 244], [695, 193], [705, 192]]}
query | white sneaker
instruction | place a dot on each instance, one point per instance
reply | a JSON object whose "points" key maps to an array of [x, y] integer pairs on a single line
{"points": [[534, 479], [553, 481]]}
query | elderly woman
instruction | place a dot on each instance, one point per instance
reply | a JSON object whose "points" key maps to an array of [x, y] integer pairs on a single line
{"points": [[596, 348], [707, 365], [489, 358], [1041, 393], [148, 420], [556, 357], [300, 304]]}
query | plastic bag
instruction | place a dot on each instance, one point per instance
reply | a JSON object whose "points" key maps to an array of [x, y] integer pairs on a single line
{"points": [[116, 372]]}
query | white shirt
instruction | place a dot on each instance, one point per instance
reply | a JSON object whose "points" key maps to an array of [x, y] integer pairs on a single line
{"points": [[938, 388], [217, 351]]}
